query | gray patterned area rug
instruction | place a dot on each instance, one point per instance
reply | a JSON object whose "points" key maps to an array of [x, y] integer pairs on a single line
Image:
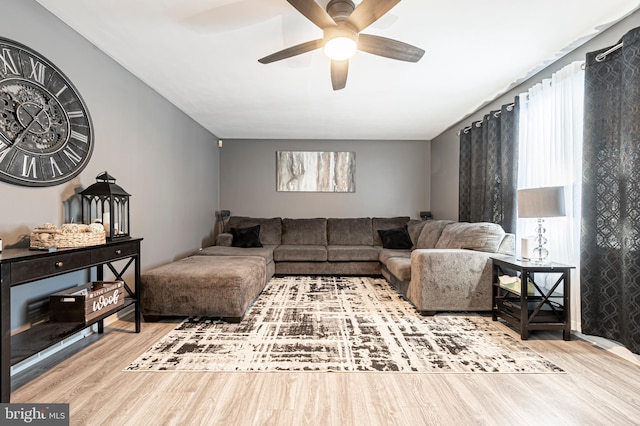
{"points": [[340, 324]]}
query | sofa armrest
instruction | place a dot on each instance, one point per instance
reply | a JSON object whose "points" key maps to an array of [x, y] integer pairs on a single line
{"points": [[450, 280], [225, 239]]}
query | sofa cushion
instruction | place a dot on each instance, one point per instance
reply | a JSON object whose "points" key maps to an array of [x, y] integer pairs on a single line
{"points": [[304, 231], [400, 267], [270, 229], [414, 226], [225, 239], [349, 232], [246, 237], [328, 268], [480, 236], [431, 232], [395, 238], [386, 254], [386, 223], [300, 253], [266, 252], [352, 253]]}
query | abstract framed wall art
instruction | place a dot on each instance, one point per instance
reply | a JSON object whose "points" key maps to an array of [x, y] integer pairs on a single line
{"points": [[302, 171]]}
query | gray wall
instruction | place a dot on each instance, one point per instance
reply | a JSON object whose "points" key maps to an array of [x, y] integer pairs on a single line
{"points": [[164, 159], [392, 178], [445, 147]]}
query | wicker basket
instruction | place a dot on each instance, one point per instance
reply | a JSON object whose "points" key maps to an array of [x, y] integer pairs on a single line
{"points": [[68, 236]]}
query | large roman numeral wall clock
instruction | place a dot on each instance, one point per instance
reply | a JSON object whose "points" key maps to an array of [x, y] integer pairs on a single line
{"points": [[46, 134]]}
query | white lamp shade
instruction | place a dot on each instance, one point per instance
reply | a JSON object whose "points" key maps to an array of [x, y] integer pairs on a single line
{"points": [[541, 202]]}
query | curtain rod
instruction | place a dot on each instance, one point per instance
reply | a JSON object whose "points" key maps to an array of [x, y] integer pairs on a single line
{"points": [[602, 56], [479, 123], [466, 129]]}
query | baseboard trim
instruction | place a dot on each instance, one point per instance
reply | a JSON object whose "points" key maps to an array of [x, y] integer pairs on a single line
{"points": [[610, 346]]}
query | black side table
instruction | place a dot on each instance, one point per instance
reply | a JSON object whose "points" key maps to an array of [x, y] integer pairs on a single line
{"points": [[540, 309]]}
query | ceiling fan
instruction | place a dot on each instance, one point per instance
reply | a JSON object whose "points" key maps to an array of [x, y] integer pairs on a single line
{"points": [[342, 23]]}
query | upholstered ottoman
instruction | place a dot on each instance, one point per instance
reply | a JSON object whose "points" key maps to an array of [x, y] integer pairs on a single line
{"points": [[214, 286]]}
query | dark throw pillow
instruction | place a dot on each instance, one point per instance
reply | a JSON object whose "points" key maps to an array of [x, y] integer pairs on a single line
{"points": [[246, 237], [395, 238]]}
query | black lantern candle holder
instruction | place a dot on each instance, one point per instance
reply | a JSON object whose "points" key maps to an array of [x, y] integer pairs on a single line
{"points": [[107, 203]]}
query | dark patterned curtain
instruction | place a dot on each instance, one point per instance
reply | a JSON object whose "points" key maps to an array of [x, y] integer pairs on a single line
{"points": [[489, 169], [610, 242]]}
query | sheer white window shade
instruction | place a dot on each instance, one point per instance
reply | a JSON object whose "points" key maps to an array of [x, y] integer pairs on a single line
{"points": [[550, 154]]}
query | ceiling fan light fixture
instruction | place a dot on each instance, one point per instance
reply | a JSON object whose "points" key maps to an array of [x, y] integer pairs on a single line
{"points": [[342, 23], [340, 48], [340, 44]]}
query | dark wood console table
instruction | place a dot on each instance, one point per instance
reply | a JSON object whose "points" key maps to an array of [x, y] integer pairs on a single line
{"points": [[24, 266]]}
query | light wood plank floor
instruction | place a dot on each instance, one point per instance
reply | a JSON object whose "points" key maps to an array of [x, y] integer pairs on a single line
{"points": [[598, 388]]}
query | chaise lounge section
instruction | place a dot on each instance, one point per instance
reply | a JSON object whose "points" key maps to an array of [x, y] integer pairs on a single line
{"points": [[223, 286]]}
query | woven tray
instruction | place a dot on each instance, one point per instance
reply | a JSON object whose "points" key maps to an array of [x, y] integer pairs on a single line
{"points": [[70, 235]]}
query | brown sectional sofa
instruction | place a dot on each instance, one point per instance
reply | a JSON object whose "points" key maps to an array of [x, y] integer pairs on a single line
{"points": [[447, 268]]}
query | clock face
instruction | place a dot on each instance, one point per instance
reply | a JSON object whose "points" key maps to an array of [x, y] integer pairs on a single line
{"points": [[46, 135]]}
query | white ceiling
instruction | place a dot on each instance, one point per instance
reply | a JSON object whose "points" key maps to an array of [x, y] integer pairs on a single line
{"points": [[202, 55]]}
